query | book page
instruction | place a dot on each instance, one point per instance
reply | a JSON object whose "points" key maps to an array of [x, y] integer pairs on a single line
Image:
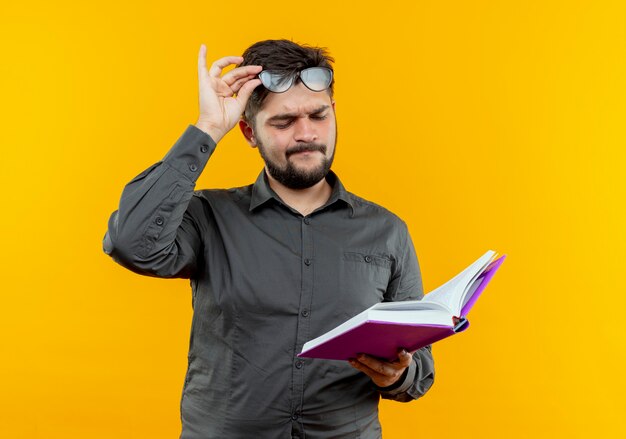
{"points": [[446, 293], [472, 288], [411, 305], [452, 293], [478, 285], [422, 317]]}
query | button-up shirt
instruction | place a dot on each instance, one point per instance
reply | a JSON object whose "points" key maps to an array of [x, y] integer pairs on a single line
{"points": [[265, 279]]}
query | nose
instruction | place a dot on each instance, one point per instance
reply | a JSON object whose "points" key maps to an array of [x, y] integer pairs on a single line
{"points": [[304, 131]]}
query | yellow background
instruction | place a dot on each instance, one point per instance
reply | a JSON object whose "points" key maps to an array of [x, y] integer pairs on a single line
{"points": [[484, 124]]}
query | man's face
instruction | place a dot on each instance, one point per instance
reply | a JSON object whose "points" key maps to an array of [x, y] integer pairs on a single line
{"points": [[296, 133]]}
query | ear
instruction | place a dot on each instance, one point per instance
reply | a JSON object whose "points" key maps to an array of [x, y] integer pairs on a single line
{"points": [[247, 132]]}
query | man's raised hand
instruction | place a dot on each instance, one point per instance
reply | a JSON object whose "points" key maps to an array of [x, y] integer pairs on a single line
{"points": [[223, 98]]}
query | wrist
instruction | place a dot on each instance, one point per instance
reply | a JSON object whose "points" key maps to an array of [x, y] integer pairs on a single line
{"points": [[403, 383], [215, 133]]}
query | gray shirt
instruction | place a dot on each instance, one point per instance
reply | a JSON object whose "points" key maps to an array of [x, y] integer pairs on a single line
{"points": [[265, 280]]}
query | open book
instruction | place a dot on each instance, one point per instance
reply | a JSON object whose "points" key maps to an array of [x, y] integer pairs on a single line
{"points": [[384, 328]]}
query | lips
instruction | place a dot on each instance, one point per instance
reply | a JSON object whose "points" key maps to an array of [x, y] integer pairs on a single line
{"points": [[303, 152], [306, 148]]}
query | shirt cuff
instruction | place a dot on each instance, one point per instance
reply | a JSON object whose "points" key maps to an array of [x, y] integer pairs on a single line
{"points": [[191, 152], [403, 384]]}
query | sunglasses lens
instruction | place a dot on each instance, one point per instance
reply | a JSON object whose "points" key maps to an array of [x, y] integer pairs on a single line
{"points": [[317, 78], [275, 82]]}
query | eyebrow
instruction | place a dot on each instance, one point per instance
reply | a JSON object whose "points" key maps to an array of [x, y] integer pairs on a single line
{"points": [[288, 116]]}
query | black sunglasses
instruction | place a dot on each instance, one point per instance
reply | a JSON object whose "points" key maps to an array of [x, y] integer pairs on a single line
{"points": [[314, 78]]}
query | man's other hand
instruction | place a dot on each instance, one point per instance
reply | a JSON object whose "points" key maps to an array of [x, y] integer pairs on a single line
{"points": [[220, 109], [383, 373]]}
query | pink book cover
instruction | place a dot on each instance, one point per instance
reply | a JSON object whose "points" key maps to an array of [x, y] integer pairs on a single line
{"points": [[384, 339]]}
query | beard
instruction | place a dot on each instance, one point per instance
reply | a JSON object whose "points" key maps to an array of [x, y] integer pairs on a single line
{"points": [[290, 175]]}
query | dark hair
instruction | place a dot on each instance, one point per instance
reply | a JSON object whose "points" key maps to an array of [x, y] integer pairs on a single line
{"points": [[282, 55]]}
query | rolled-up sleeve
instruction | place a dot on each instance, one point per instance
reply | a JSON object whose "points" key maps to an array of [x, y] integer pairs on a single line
{"points": [[406, 284], [154, 231]]}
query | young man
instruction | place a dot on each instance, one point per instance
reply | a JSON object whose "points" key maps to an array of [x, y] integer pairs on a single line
{"points": [[273, 264]]}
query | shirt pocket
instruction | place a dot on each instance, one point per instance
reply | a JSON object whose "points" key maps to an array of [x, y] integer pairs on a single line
{"points": [[367, 258], [364, 277]]}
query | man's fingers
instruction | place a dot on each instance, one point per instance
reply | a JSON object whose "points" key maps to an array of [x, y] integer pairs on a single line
{"points": [[217, 66], [237, 85], [246, 90], [202, 58], [240, 82], [385, 367], [381, 380], [404, 358], [241, 72], [380, 367], [374, 374]]}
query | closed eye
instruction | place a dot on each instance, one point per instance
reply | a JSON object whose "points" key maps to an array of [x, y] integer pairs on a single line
{"points": [[288, 121], [282, 126]]}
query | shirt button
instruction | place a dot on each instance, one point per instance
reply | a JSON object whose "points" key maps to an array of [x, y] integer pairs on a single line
{"points": [[307, 261], [299, 364], [305, 313], [204, 148], [295, 416], [307, 221], [193, 167], [368, 258], [159, 221]]}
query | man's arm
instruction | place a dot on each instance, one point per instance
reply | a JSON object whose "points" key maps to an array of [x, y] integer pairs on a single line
{"points": [[409, 377], [153, 232]]}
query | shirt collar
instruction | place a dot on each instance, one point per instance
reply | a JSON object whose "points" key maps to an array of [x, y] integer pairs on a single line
{"points": [[262, 192]]}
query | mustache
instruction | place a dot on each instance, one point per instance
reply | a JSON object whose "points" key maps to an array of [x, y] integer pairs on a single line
{"points": [[302, 147]]}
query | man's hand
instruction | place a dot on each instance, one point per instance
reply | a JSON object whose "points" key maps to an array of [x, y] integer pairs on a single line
{"points": [[220, 110], [383, 373]]}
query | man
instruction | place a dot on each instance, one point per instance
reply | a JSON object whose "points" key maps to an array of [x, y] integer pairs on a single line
{"points": [[273, 264]]}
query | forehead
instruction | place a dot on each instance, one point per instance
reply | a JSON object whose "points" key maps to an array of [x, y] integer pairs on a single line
{"points": [[297, 100]]}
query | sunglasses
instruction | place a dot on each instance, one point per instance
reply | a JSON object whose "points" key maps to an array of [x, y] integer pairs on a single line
{"points": [[314, 78]]}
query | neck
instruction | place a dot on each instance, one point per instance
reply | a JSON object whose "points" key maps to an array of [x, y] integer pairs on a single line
{"points": [[304, 201]]}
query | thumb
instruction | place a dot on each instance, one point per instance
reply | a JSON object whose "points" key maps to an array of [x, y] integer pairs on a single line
{"points": [[246, 90]]}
